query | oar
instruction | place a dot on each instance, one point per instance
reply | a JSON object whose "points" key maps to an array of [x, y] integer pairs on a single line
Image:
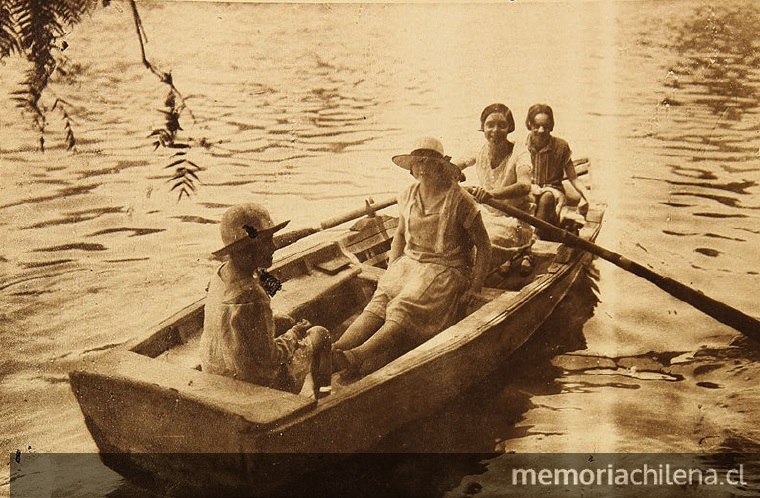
{"points": [[369, 209], [581, 165], [722, 312]]}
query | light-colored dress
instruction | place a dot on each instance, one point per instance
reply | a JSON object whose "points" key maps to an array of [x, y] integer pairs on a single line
{"points": [[238, 337], [421, 289], [503, 230]]}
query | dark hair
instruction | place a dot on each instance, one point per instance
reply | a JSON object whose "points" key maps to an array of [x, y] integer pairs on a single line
{"points": [[500, 108], [537, 109]]}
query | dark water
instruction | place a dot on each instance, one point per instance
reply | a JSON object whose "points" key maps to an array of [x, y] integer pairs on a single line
{"points": [[303, 107]]}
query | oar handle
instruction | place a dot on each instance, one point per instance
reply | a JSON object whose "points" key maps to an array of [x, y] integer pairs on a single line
{"points": [[722, 312], [288, 238], [369, 209]]}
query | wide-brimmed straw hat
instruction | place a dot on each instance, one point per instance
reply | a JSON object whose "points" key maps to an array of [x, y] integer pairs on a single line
{"points": [[428, 150], [241, 225]]}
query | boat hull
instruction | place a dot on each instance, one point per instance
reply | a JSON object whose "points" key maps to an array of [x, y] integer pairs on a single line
{"points": [[181, 429]]}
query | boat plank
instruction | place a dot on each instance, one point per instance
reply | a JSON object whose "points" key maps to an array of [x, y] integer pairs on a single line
{"points": [[297, 293]]}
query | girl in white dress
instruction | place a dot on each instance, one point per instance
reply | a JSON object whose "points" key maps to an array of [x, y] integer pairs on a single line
{"points": [[504, 173]]}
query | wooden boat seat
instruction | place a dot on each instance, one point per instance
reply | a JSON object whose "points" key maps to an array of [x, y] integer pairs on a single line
{"points": [[545, 248], [298, 292]]}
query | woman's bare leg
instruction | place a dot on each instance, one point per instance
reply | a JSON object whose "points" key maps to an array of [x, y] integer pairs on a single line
{"points": [[359, 331], [546, 212], [385, 345]]}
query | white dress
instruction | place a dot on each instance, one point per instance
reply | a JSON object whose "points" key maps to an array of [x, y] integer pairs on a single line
{"points": [[504, 230]]}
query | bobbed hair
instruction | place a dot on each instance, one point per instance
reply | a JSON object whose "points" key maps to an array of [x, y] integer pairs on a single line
{"points": [[537, 109], [500, 108]]}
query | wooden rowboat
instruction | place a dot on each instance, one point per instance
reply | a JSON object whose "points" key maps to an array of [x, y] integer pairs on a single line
{"points": [[148, 401]]}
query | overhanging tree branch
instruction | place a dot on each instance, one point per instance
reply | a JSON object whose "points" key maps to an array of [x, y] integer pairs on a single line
{"points": [[165, 77]]}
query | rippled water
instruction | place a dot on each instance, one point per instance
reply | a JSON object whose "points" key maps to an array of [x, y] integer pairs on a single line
{"points": [[303, 105]]}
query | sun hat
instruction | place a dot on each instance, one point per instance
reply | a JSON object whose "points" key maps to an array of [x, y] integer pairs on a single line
{"points": [[428, 150], [242, 224]]}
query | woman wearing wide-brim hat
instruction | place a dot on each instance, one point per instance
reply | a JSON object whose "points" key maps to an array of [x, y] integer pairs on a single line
{"points": [[431, 271], [238, 337]]}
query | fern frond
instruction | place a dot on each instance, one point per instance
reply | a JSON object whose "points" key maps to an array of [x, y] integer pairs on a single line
{"points": [[8, 40], [71, 140], [184, 178], [70, 12]]}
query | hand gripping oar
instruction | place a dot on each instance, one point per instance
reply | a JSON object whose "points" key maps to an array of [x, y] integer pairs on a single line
{"points": [[369, 209], [722, 312]]}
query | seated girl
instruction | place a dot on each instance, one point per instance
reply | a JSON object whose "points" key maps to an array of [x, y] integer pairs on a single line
{"points": [[552, 162], [503, 170]]}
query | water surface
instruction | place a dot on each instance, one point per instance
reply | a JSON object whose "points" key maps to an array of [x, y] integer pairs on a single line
{"points": [[302, 107]]}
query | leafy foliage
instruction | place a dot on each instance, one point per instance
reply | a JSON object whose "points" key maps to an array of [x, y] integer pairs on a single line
{"points": [[70, 139], [33, 28], [185, 170], [8, 41]]}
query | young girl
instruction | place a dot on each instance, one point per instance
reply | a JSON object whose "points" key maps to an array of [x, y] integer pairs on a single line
{"points": [[551, 158], [430, 273], [503, 170]]}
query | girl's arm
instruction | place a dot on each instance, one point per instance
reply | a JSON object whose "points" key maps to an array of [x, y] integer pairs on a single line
{"points": [[465, 163], [517, 189], [576, 182], [520, 188]]}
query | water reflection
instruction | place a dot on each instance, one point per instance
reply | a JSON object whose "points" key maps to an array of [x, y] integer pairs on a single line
{"points": [[718, 47], [503, 397], [710, 107]]}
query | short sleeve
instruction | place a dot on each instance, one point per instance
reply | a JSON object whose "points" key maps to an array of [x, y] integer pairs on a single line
{"points": [[403, 198], [467, 209], [523, 166], [567, 155]]}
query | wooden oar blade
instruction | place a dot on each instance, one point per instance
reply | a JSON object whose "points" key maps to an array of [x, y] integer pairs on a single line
{"points": [[720, 311]]}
